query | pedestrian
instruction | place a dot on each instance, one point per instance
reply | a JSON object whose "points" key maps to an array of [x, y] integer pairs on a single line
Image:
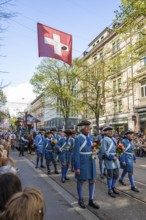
{"points": [[25, 205], [99, 139], [85, 164], [7, 165], [65, 146], [50, 152], [23, 142], [109, 145], [39, 144], [127, 159], [9, 185]]}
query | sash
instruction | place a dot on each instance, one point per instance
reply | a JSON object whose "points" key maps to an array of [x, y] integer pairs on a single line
{"points": [[127, 148], [111, 145], [40, 142], [84, 143]]}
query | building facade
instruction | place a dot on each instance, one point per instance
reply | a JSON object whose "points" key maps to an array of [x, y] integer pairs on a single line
{"points": [[125, 99], [37, 111]]}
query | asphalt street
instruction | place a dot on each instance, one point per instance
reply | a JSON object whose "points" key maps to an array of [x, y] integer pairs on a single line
{"points": [[61, 198]]}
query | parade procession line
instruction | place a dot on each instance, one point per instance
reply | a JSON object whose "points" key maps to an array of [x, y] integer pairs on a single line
{"points": [[129, 205]]}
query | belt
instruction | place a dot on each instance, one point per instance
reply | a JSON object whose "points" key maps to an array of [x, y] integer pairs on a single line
{"points": [[86, 153], [49, 150], [128, 153]]}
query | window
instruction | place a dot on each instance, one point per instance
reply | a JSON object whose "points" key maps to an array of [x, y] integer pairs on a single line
{"points": [[143, 60], [117, 86], [140, 31], [101, 54], [116, 46], [95, 58], [116, 66], [143, 89], [118, 106]]}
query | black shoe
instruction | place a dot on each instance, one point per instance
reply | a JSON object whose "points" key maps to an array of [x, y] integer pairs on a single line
{"points": [[104, 174], [56, 172], [121, 182], [115, 191], [134, 189], [93, 204], [110, 193], [81, 203], [66, 178], [42, 166], [63, 180], [36, 166], [49, 171]]}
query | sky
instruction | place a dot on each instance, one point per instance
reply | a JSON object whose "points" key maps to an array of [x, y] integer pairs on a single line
{"points": [[83, 19]]}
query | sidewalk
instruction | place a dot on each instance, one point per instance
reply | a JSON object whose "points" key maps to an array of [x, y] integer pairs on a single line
{"points": [[60, 205]]}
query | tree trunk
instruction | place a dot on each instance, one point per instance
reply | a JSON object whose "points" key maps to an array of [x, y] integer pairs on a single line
{"points": [[97, 120], [66, 123]]}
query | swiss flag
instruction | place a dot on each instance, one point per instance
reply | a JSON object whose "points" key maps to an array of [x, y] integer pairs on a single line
{"points": [[54, 43]]}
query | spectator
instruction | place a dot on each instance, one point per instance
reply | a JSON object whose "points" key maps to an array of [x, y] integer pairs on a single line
{"points": [[26, 205], [9, 184], [7, 165]]}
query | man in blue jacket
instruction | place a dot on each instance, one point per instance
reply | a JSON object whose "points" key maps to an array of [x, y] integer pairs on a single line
{"points": [[109, 145], [84, 164], [127, 159]]}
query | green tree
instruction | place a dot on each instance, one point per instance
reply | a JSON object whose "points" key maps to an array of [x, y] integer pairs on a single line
{"points": [[93, 82], [58, 82]]}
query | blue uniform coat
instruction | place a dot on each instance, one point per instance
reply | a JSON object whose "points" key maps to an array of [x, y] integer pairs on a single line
{"points": [[39, 143], [128, 155], [66, 146], [83, 157], [109, 145], [50, 151], [100, 152]]}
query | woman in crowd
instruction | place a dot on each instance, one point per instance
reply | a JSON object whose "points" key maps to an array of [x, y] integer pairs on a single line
{"points": [[9, 185], [26, 205]]}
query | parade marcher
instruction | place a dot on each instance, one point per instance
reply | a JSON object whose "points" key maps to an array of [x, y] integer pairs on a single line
{"points": [[50, 152], [65, 146], [39, 145], [102, 168], [55, 135], [85, 164], [109, 145], [72, 156], [127, 159], [23, 142], [60, 135]]}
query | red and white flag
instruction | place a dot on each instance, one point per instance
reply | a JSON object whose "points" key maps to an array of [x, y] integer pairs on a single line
{"points": [[54, 43]]}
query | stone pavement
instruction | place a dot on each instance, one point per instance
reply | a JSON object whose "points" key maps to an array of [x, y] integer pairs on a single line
{"points": [[128, 205]]}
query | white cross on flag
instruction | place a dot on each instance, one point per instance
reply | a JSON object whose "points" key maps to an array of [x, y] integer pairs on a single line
{"points": [[54, 43]]}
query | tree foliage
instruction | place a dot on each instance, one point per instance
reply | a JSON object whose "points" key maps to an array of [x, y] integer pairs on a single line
{"points": [[58, 82]]}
